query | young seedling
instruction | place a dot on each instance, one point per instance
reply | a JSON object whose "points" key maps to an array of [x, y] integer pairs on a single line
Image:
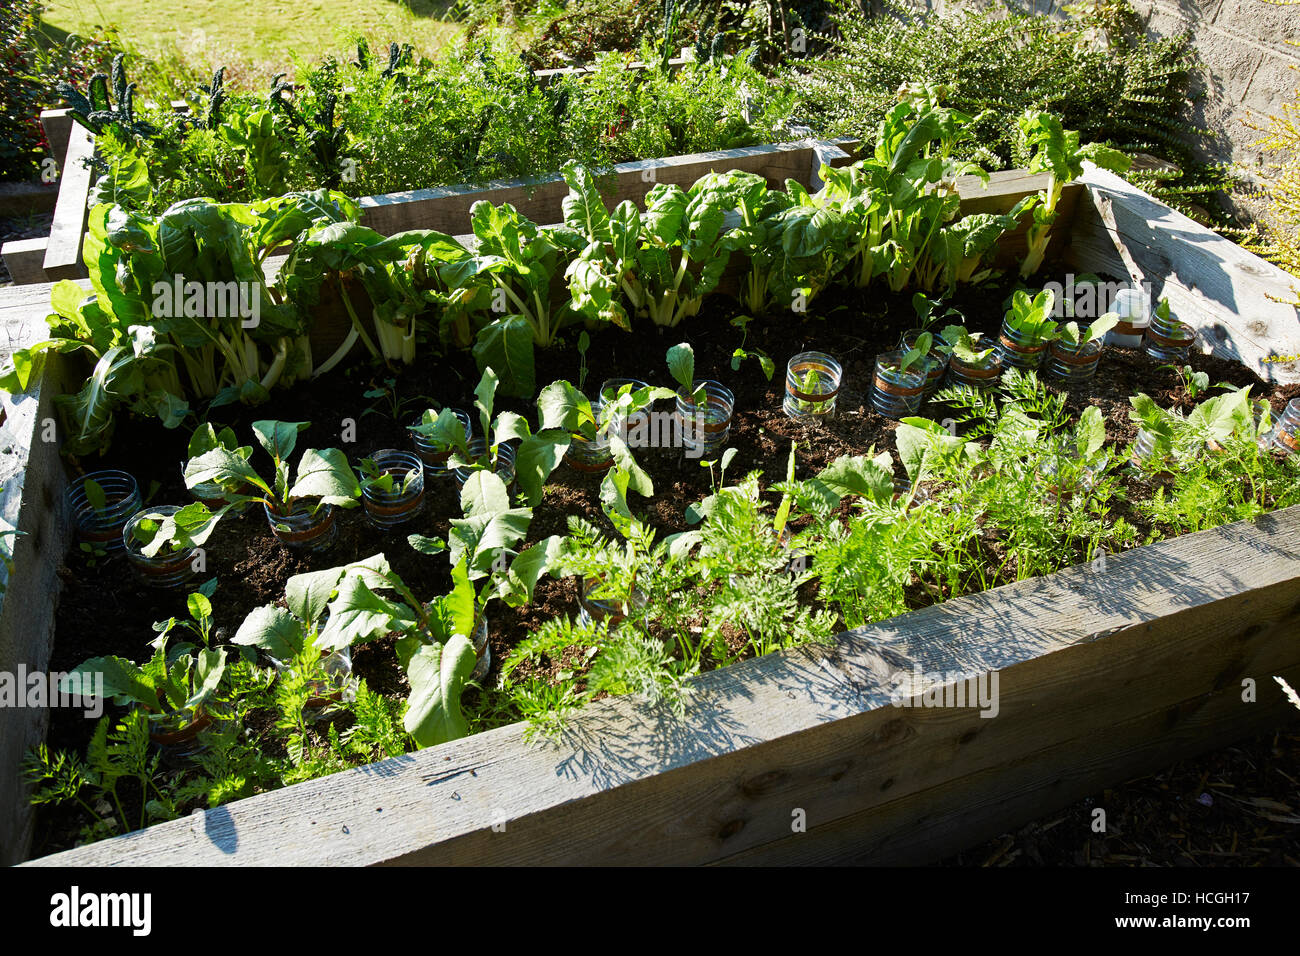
{"points": [[1031, 318], [1194, 383], [387, 401], [918, 352], [740, 354], [584, 343], [963, 345], [928, 311], [1076, 338], [443, 430], [160, 534], [375, 479], [323, 477], [681, 366]]}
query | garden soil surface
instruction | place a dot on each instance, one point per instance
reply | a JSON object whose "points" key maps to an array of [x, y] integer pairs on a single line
{"points": [[103, 610]]}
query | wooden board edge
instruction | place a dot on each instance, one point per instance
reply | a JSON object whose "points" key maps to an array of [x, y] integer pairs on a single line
{"points": [[415, 804], [63, 252], [1240, 306]]}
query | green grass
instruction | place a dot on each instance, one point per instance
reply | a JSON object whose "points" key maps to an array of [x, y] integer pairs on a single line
{"points": [[264, 35]]}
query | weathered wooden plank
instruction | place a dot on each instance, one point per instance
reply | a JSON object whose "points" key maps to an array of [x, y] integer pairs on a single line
{"points": [[63, 254], [1236, 301], [58, 129], [31, 500], [546, 77], [999, 794], [22, 311], [25, 259], [631, 784], [446, 208]]}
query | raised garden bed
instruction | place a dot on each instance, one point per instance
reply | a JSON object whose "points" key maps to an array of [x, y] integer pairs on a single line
{"points": [[445, 208], [812, 729]]}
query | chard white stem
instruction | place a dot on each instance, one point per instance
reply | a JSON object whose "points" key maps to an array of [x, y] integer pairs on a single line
{"points": [[277, 365], [338, 355]]}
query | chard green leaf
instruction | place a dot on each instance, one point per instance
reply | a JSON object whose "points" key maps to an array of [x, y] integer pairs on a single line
{"points": [[460, 605], [309, 593], [681, 365], [613, 499], [510, 426], [358, 613], [506, 345], [437, 674], [209, 668], [444, 430], [222, 466], [519, 582], [325, 474], [274, 630], [538, 456], [918, 439], [481, 537], [191, 526], [584, 209], [426, 545], [858, 475], [637, 479], [1091, 433], [121, 679], [484, 493], [562, 406], [278, 438]]}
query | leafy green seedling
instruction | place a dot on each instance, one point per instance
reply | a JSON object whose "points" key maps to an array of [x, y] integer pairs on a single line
{"points": [[375, 479], [681, 366], [1077, 338], [962, 342], [917, 352]]}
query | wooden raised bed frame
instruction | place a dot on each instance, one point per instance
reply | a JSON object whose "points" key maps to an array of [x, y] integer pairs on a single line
{"points": [[1102, 674]]}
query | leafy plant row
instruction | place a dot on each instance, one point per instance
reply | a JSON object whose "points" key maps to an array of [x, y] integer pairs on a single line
{"points": [[892, 218], [1023, 490], [395, 122]]}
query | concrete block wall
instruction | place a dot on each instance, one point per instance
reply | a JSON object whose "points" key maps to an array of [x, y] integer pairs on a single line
{"points": [[1248, 67], [1247, 64]]}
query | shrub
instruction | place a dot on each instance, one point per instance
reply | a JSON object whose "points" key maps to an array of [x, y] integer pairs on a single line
{"points": [[29, 67], [1096, 70], [472, 114]]}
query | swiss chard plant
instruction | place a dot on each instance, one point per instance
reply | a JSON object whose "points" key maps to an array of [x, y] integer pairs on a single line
{"points": [[515, 261], [206, 438], [182, 312], [965, 346], [179, 679], [1182, 438], [376, 479], [1056, 151], [1031, 318], [358, 602], [158, 533], [537, 454], [1076, 337], [398, 277], [663, 261], [900, 201], [322, 477]]}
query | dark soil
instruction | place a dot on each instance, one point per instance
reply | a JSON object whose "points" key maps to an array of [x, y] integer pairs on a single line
{"points": [[1239, 806], [103, 610]]}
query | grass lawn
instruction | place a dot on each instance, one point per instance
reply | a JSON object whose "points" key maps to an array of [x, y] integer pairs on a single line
{"points": [[209, 33]]}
